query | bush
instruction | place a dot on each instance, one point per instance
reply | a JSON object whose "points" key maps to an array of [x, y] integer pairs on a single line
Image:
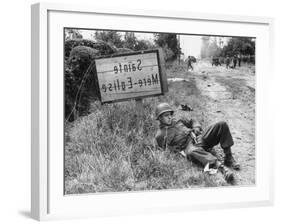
{"points": [[102, 47], [79, 81], [81, 86], [169, 43]]}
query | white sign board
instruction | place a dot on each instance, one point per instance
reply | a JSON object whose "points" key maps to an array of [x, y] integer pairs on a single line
{"points": [[129, 76]]}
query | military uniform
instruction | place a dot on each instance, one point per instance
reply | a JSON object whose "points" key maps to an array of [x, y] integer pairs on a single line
{"points": [[234, 61], [227, 62], [177, 137], [239, 60], [189, 63]]}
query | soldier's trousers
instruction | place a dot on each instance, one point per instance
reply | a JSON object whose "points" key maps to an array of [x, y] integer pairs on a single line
{"points": [[217, 133]]}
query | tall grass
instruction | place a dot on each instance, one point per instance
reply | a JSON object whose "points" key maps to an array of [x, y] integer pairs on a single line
{"points": [[113, 149]]}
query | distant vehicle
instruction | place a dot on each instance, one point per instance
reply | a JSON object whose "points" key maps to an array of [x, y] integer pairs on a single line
{"points": [[216, 61]]}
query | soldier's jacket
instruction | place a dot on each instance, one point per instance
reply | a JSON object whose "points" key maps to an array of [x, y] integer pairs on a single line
{"points": [[176, 137]]}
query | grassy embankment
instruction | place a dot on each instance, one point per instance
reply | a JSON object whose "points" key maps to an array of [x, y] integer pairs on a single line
{"points": [[113, 149]]}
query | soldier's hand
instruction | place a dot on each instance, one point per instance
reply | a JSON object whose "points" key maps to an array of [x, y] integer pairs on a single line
{"points": [[197, 131]]}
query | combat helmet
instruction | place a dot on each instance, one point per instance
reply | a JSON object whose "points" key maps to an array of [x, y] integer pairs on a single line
{"points": [[162, 108]]}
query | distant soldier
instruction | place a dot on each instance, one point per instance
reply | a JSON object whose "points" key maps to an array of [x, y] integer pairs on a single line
{"points": [[239, 60], [185, 136], [215, 61], [189, 63], [227, 62], [234, 61]]}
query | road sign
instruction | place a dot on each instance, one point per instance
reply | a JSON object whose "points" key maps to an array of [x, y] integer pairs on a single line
{"points": [[131, 76]]}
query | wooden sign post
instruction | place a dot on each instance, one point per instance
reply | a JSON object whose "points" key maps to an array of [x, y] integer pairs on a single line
{"points": [[131, 76]]}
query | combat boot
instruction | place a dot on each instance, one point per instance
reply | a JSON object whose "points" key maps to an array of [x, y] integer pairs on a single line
{"points": [[228, 175], [229, 161]]}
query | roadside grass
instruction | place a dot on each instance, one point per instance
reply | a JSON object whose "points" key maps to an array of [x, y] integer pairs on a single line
{"points": [[113, 148]]}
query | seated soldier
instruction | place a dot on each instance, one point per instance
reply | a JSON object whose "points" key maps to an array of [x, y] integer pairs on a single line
{"points": [[187, 137]]}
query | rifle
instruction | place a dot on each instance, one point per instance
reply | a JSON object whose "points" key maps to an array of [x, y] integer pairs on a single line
{"points": [[193, 136]]}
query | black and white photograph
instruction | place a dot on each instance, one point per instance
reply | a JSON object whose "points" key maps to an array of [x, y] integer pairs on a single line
{"points": [[140, 112], [152, 111]]}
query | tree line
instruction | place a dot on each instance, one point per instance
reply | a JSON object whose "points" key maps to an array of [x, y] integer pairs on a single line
{"points": [[216, 47], [167, 41]]}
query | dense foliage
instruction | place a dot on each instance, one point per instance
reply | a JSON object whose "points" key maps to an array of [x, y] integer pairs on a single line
{"points": [[169, 43], [111, 37], [81, 86], [80, 83], [243, 46], [239, 45], [103, 47]]}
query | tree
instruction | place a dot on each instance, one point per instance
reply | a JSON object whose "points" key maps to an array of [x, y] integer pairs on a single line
{"points": [[130, 41], [239, 45], [169, 43], [111, 37], [205, 46], [210, 47], [143, 45], [72, 34]]}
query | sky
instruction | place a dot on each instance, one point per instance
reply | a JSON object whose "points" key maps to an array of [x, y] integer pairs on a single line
{"points": [[190, 45]]}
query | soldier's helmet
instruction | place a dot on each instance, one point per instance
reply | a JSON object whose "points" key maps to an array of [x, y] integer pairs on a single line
{"points": [[162, 108]]}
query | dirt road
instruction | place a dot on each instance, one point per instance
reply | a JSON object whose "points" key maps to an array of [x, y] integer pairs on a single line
{"points": [[229, 94]]}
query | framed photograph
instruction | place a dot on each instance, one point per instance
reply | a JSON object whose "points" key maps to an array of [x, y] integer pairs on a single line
{"points": [[148, 111]]}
